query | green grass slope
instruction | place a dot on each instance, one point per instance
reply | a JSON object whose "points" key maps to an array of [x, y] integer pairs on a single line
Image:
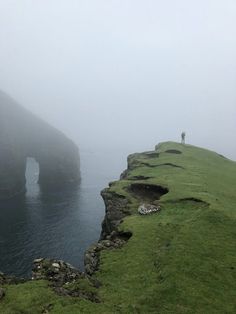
{"points": [[181, 260]]}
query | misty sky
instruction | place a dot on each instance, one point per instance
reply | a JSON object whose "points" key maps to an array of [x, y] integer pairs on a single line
{"points": [[124, 73]]}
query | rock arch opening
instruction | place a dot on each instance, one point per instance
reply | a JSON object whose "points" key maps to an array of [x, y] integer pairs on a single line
{"points": [[32, 171], [22, 135]]}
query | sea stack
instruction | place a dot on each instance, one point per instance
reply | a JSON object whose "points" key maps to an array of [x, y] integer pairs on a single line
{"points": [[22, 135]]}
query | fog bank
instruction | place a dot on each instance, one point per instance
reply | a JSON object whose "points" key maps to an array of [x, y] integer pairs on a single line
{"points": [[124, 75]]}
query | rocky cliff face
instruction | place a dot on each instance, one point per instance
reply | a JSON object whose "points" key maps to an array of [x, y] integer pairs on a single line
{"points": [[23, 135], [120, 202], [116, 209]]}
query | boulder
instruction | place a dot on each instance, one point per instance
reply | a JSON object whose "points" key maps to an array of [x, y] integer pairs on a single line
{"points": [[55, 271], [146, 209], [2, 293]]}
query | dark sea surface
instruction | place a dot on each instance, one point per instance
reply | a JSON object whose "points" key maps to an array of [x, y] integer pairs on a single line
{"points": [[60, 224]]}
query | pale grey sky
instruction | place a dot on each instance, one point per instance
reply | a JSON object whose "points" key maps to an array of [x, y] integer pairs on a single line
{"points": [[124, 73]]}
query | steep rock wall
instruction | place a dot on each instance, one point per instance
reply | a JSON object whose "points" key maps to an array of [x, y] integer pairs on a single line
{"points": [[23, 135]]}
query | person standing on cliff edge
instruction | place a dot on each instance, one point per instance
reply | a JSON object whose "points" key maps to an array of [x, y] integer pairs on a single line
{"points": [[183, 134]]}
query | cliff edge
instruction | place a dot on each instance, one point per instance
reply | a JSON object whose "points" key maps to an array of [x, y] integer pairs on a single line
{"points": [[177, 259]]}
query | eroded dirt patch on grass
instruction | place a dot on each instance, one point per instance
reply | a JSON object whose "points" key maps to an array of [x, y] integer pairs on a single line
{"points": [[161, 165], [139, 178], [147, 192], [152, 155], [173, 151], [171, 165], [194, 200], [147, 165]]}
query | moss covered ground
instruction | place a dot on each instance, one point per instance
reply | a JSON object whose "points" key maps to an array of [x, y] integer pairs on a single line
{"points": [[181, 260]]}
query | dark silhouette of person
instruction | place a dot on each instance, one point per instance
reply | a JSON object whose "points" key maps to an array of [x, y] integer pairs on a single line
{"points": [[183, 134]]}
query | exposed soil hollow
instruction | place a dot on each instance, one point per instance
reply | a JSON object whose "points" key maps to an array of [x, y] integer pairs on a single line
{"points": [[152, 155], [170, 164], [124, 235], [140, 178], [147, 165], [195, 200], [147, 192], [173, 151], [191, 200]]}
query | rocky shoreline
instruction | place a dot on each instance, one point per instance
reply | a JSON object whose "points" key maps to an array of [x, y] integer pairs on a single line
{"points": [[67, 280], [63, 277]]}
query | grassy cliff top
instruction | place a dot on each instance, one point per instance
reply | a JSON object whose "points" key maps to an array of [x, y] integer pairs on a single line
{"points": [[181, 260]]}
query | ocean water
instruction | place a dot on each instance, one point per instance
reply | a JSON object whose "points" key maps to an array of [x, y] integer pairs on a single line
{"points": [[60, 224]]}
